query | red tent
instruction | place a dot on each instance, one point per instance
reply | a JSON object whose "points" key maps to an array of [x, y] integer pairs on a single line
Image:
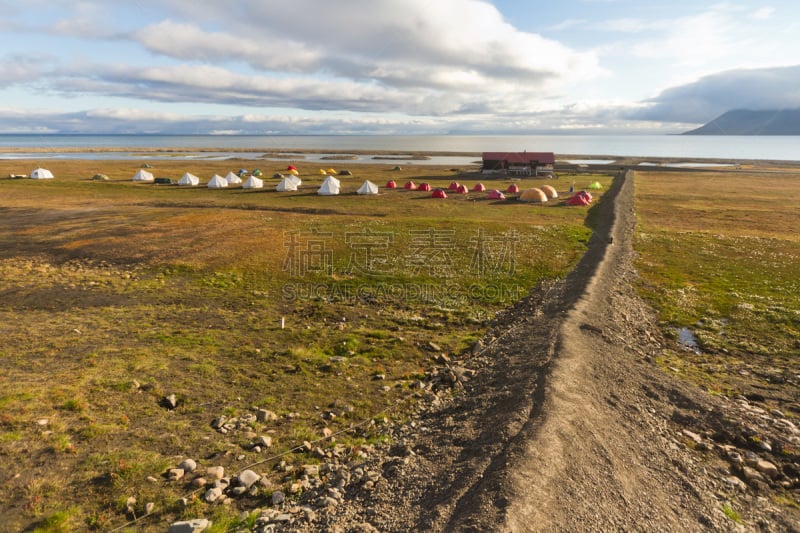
{"points": [[513, 188], [478, 187], [424, 187], [439, 193], [454, 186], [391, 185], [410, 186], [581, 198], [291, 167], [496, 195], [462, 189]]}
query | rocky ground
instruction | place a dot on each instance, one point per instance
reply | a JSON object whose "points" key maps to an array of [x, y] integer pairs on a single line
{"points": [[559, 420]]}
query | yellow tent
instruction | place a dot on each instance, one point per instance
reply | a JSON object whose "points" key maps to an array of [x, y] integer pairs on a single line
{"points": [[331, 171], [322, 172], [533, 195], [294, 172]]}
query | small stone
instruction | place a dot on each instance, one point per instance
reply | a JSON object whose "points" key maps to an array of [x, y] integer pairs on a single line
{"points": [[152, 479], [199, 482], [693, 436], [735, 482], [188, 465], [777, 413], [311, 470], [263, 441], [42, 422], [183, 503], [196, 525], [765, 467], [215, 472], [433, 347], [238, 491], [130, 504], [218, 422], [212, 494], [265, 415], [175, 474], [319, 452], [327, 501], [751, 474], [148, 507], [170, 402], [278, 497], [326, 432], [247, 478]]}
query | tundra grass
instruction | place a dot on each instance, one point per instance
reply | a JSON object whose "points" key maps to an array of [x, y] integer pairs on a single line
{"points": [[115, 294], [720, 256]]}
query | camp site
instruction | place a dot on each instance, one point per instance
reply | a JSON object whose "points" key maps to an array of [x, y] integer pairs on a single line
{"points": [[182, 321]]}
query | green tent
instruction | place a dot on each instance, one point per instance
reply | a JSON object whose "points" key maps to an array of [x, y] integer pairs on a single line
{"points": [[595, 185]]}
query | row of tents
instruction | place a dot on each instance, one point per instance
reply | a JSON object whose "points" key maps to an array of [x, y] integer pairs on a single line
{"points": [[332, 186]]}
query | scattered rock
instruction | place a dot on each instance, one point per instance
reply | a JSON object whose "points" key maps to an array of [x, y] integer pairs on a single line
{"points": [[765, 467], [278, 497], [212, 494], [265, 415], [263, 441], [196, 525], [188, 465], [215, 472], [170, 402], [174, 474], [247, 478]]}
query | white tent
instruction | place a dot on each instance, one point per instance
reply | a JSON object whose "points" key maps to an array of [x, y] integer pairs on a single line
{"points": [[253, 183], [294, 179], [41, 174], [217, 182], [368, 188], [286, 184], [143, 175], [329, 187], [189, 179], [233, 179]]}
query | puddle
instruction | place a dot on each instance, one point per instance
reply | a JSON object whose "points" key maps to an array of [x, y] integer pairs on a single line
{"points": [[687, 339]]}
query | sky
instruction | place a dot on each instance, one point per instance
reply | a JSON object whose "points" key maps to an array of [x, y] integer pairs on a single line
{"points": [[299, 67]]}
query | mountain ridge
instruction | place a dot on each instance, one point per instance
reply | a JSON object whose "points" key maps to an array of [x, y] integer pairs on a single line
{"points": [[752, 122]]}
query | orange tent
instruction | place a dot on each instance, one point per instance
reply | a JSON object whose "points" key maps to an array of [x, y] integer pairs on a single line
{"points": [[512, 188], [454, 186], [478, 187], [410, 186], [439, 193], [533, 195], [550, 191], [391, 184], [424, 187]]}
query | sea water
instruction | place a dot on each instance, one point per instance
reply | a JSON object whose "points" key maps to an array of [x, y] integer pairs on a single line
{"points": [[733, 148]]}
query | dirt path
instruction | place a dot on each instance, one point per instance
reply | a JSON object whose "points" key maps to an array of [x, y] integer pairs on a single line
{"points": [[568, 424]]}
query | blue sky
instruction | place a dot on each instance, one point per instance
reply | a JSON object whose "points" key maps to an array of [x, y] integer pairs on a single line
{"points": [[391, 66]]}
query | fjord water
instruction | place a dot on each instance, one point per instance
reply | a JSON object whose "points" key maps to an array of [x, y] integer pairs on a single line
{"points": [[731, 147]]}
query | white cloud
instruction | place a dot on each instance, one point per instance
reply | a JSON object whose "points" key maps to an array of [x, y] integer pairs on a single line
{"points": [[710, 96], [367, 40], [763, 13]]}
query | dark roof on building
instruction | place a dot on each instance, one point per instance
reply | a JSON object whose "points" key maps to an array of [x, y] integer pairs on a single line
{"points": [[525, 158]]}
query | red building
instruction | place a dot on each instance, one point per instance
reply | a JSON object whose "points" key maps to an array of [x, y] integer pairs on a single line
{"points": [[518, 163]]}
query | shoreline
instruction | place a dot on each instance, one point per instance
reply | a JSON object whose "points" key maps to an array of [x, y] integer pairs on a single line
{"points": [[363, 156]]}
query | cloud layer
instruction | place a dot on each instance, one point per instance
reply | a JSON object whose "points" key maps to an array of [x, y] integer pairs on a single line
{"points": [[386, 66]]}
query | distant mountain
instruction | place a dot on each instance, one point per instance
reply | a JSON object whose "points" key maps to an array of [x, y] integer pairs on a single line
{"points": [[746, 122]]}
